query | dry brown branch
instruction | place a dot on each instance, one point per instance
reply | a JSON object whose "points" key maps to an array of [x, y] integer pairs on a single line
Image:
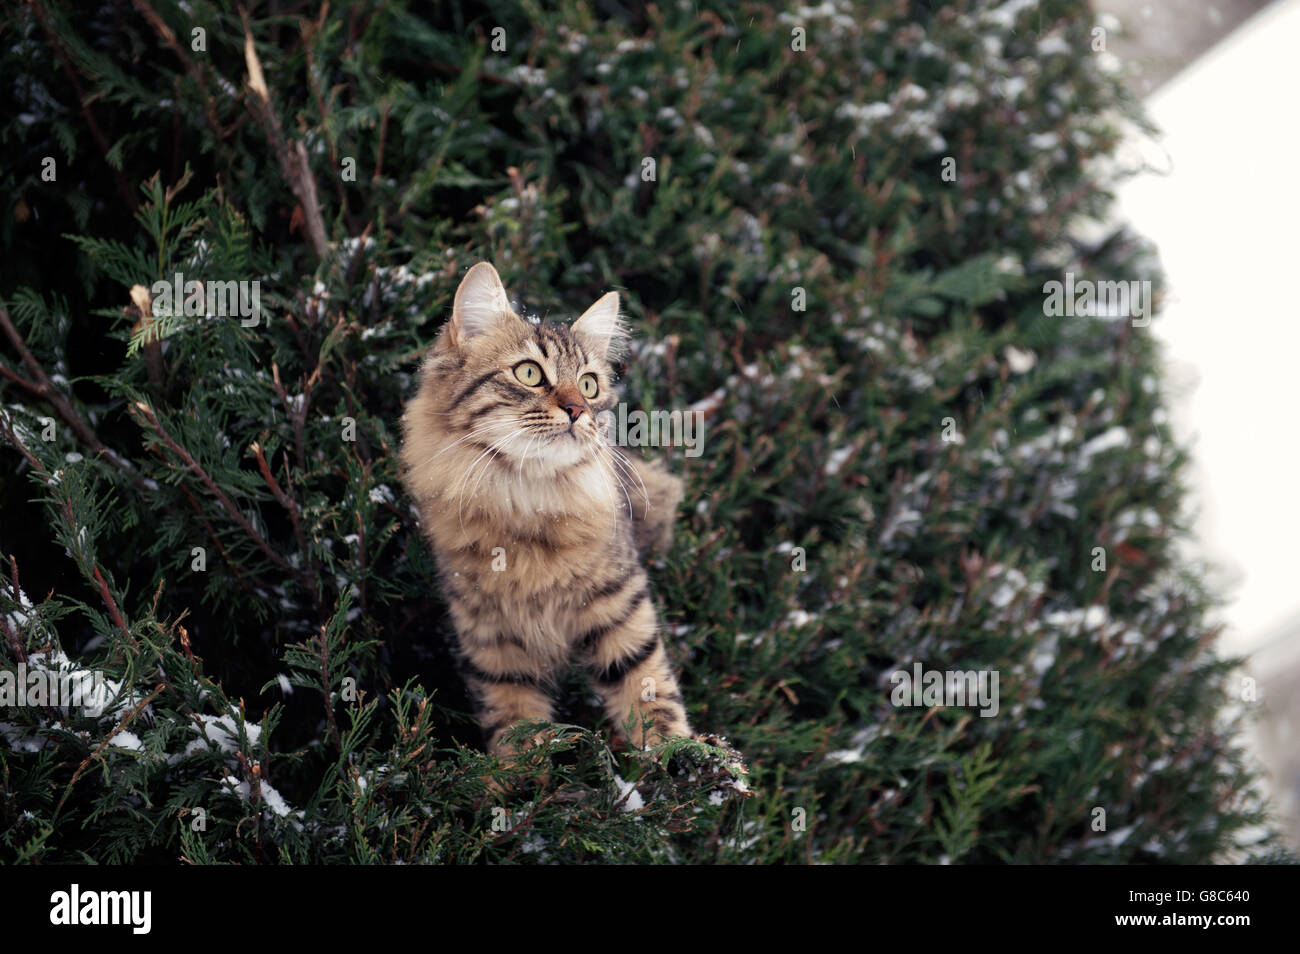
{"points": [[43, 388], [168, 36], [143, 306], [125, 721], [195, 468], [291, 153], [66, 62]]}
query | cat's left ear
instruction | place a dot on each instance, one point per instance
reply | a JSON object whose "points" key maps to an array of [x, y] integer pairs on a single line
{"points": [[600, 328], [481, 305]]}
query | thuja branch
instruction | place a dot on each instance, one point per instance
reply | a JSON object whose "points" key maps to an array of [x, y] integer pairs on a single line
{"points": [[291, 154], [225, 554], [168, 36], [295, 517], [70, 516], [195, 468], [285, 501], [125, 721], [66, 62], [42, 387], [325, 682]]}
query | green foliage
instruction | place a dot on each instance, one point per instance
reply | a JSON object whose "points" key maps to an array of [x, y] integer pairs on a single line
{"points": [[216, 517]]}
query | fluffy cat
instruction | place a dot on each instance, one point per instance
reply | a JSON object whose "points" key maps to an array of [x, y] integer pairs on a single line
{"points": [[538, 525]]}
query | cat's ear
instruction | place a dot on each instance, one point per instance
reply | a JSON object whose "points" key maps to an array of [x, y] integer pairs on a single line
{"points": [[600, 328], [481, 305]]}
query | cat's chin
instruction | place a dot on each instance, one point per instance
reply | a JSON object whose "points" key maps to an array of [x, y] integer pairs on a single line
{"points": [[564, 449]]}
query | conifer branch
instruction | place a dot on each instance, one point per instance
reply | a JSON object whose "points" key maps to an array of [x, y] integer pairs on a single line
{"points": [[122, 724], [310, 580], [225, 554], [70, 71], [168, 36], [105, 593], [142, 307], [197, 469], [291, 154], [42, 387], [325, 682], [308, 29]]}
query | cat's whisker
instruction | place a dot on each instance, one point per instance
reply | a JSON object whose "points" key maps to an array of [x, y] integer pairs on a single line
{"points": [[623, 461], [535, 442], [500, 445], [605, 461], [492, 449], [476, 431], [469, 471]]}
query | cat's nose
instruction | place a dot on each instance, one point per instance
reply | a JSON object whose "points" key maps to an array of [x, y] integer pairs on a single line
{"points": [[574, 410]]}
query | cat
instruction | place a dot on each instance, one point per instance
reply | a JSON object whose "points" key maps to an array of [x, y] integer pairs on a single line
{"points": [[538, 524]]}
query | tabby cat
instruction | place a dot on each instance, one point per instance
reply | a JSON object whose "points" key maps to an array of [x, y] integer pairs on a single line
{"points": [[539, 525]]}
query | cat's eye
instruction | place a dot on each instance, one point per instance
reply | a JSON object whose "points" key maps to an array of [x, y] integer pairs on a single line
{"points": [[588, 386], [529, 373]]}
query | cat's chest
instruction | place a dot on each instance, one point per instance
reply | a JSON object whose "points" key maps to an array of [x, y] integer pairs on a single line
{"points": [[528, 586], [533, 557]]}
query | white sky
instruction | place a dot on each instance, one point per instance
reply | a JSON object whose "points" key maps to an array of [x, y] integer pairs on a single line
{"points": [[1227, 223]]}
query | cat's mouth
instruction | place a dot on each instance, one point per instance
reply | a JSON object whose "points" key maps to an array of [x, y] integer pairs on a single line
{"points": [[567, 435], [557, 431]]}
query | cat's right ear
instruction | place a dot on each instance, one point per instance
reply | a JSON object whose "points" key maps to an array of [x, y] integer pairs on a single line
{"points": [[481, 305]]}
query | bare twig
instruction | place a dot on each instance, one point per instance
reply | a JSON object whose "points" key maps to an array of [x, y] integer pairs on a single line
{"points": [[325, 681], [43, 388], [43, 15], [194, 467], [385, 106], [126, 719], [310, 581], [361, 552], [168, 36], [290, 152], [21, 381], [15, 643], [111, 603], [297, 415]]}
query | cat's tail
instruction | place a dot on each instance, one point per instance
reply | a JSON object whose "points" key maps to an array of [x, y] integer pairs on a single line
{"points": [[654, 511]]}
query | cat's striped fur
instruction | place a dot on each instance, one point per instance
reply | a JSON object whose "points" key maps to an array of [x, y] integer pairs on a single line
{"points": [[537, 524]]}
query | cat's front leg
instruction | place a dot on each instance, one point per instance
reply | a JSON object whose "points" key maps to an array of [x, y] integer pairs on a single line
{"points": [[630, 670], [508, 687]]}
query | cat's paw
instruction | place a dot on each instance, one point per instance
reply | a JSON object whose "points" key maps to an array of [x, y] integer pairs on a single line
{"points": [[524, 767], [728, 760], [719, 767]]}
